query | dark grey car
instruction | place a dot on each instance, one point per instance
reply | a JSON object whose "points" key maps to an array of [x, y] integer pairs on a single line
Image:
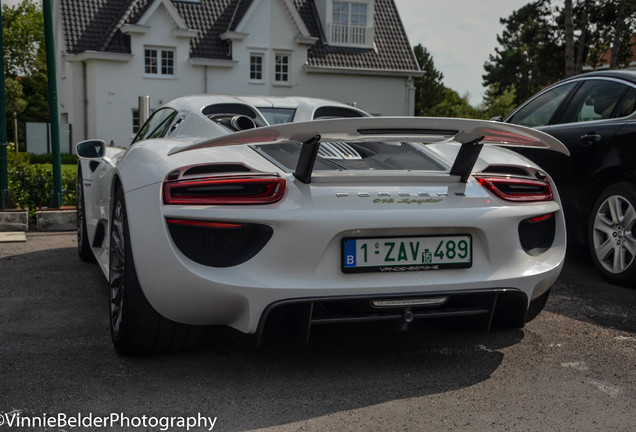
{"points": [[594, 115]]}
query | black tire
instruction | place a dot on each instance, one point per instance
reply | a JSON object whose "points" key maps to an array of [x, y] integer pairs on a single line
{"points": [[136, 328], [611, 233], [83, 242]]}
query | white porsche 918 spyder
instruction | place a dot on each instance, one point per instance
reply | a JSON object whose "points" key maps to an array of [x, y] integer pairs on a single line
{"points": [[268, 216]]}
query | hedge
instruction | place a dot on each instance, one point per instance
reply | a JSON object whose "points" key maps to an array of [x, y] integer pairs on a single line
{"points": [[67, 159], [31, 184]]}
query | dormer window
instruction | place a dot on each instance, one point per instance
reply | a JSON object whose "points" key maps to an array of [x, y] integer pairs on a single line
{"points": [[351, 23]]}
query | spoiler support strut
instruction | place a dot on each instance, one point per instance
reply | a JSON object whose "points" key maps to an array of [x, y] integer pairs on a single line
{"points": [[466, 159], [307, 159]]}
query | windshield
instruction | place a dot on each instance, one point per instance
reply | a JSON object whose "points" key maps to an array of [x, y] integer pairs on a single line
{"points": [[276, 116]]}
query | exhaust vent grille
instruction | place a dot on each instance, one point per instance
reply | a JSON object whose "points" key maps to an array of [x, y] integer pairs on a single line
{"points": [[338, 151]]}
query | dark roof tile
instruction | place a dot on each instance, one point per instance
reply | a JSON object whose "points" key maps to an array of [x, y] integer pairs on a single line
{"points": [[94, 25], [392, 49]]}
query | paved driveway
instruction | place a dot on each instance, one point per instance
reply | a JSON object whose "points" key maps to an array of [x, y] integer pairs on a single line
{"points": [[572, 369]]}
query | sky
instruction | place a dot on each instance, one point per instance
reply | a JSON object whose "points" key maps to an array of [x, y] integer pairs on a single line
{"points": [[459, 34]]}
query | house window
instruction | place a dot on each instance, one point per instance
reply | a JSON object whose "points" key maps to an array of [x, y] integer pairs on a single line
{"points": [[348, 13], [351, 24], [167, 62], [256, 67], [135, 120], [159, 61], [281, 70]]}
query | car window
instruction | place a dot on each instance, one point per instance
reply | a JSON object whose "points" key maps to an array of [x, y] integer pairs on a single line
{"points": [[594, 100], [540, 110], [156, 125], [276, 116], [627, 104]]}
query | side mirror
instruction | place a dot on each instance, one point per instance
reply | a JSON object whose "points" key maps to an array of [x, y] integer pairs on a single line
{"points": [[497, 119], [91, 149]]}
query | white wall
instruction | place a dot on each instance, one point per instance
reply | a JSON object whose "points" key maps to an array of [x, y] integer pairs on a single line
{"points": [[113, 87], [270, 28], [376, 95], [119, 85], [69, 89]]}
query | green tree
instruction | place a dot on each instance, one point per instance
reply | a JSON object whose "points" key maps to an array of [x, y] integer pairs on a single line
{"points": [[25, 63], [612, 24], [23, 32], [429, 89], [496, 104], [36, 91], [454, 105], [14, 96], [543, 42], [530, 56]]}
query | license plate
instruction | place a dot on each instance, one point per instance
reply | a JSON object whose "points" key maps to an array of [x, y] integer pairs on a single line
{"points": [[397, 254]]}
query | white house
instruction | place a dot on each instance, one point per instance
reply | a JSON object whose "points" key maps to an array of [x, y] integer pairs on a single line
{"points": [[111, 52]]}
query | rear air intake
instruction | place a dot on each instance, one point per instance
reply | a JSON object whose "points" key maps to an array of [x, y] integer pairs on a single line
{"points": [[536, 234], [218, 244]]}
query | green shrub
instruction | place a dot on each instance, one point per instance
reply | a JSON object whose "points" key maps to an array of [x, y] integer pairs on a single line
{"points": [[14, 158], [31, 185], [67, 159]]}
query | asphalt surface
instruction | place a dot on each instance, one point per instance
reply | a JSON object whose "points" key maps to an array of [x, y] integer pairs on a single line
{"points": [[571, 369]]}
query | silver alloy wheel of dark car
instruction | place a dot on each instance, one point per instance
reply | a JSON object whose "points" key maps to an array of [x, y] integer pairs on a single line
{"points": [[117, 266], [612, 234]]}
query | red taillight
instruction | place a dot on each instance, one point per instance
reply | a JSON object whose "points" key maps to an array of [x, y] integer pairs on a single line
{"points": [[540, 218], [220, 191], [517, 189], [204, 224], [504, 137]]}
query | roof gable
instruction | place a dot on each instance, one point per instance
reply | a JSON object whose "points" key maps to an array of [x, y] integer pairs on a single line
{"points": [[289, 6], [172, 11], [96, 25]]}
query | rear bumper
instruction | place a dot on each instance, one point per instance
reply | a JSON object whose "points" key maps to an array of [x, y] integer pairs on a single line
{"points": [[292, 320], [287, 275]]}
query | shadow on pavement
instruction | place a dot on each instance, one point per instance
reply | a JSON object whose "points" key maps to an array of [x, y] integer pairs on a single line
{"points": [[581, 293], [56, 356]]}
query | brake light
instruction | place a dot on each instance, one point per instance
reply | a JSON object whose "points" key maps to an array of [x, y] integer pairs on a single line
{"points": [[204, 224], [540, 218], [517, 189], [224, 191], [506, 138]]}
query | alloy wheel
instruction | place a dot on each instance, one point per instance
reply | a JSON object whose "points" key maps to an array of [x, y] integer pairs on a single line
{"points": [[79, 204], [117, 266], [613, 234]]}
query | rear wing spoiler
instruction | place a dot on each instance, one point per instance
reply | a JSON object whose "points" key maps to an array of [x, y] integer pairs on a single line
{"points": [[471, 134]]}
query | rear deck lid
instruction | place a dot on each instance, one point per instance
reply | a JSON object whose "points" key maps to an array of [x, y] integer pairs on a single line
{"points": [[366, 145]]}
